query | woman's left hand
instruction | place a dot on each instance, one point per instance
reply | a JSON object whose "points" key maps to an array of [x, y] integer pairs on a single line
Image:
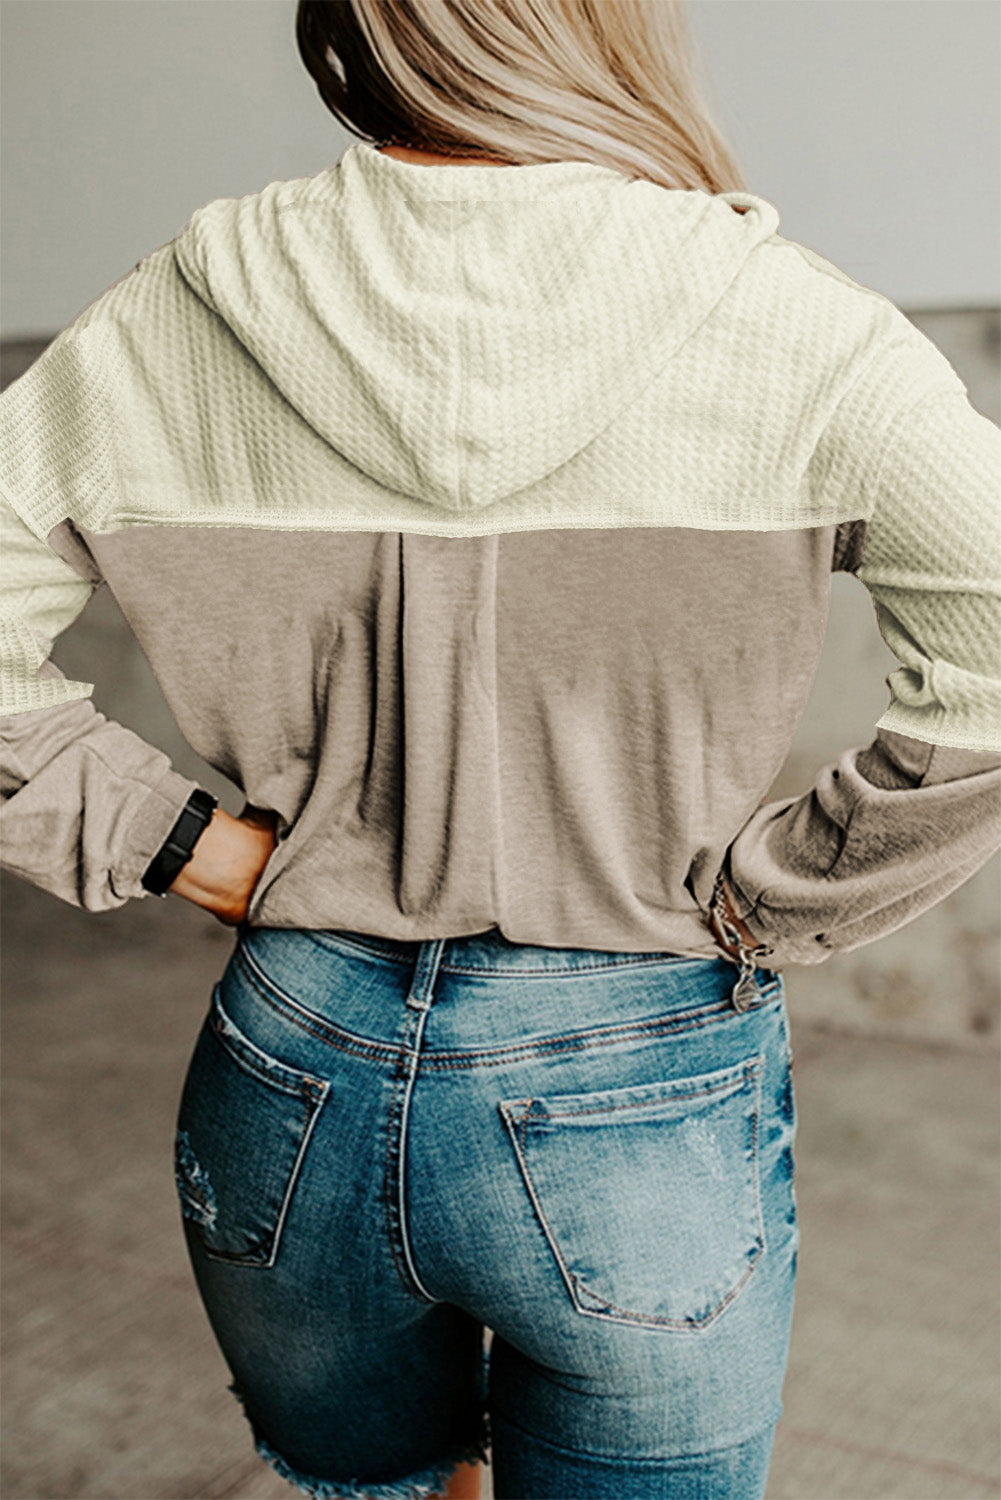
{"points": [[227, 863]]}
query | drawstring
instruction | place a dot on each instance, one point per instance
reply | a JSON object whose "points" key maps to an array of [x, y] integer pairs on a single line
{"points": [[745, 991]]}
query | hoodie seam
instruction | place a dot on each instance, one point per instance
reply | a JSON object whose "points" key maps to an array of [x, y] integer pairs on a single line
{"points": [[829, 273]]}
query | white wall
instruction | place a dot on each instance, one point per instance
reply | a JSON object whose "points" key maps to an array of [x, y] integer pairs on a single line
{"points": [[872, 125]]}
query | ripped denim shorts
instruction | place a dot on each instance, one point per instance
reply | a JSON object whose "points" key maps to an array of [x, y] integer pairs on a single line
{"points": [[465, 1198]]}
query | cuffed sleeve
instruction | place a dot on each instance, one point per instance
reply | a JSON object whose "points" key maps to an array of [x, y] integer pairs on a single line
{"points": [[873, 844], [889, 830], [85, 803]]}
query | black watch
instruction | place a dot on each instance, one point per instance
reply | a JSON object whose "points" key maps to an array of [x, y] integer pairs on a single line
{"points": [[179, 846]]}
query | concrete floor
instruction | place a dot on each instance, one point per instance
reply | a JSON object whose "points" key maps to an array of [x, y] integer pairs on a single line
{"points": [[112, 1383]]}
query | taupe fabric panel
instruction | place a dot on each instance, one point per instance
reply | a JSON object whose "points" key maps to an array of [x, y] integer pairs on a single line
{"points": [[598, 714]]}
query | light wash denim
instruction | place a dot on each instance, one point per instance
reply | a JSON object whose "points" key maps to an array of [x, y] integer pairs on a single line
{"points": [[386, 1148]]}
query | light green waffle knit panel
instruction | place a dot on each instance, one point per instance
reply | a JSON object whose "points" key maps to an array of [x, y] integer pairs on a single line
{"points": [[353, 352]]}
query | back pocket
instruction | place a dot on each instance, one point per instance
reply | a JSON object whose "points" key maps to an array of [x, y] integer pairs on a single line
{"points": [[649, 1195], [243, 1128]]}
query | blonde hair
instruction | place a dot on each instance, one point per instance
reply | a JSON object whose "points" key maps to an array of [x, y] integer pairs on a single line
{"points": [[606, 81]]}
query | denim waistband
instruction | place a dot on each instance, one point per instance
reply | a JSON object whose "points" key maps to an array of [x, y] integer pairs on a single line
{"points": [[490, 951]]}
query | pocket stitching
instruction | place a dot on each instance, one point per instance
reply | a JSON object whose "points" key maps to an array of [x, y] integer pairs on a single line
{"points": [[728, 1085], [709, 1083], [645, 1319], [751, 1070], [257, 1062], [312, 1115], [311, 1093], [312, 1108], [533, 1195]]}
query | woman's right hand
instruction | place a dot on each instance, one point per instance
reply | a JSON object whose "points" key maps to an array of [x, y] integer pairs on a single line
{"points": [[227, 863]]}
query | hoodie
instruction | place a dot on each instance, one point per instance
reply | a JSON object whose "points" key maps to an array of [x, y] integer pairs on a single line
{"points": [[479, 521]]}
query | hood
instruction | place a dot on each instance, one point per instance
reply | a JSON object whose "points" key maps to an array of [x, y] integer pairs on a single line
{"points": [[459, 331]]}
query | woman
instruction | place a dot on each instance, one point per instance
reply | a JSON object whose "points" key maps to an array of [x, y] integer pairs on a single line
{"points": [[475, 503]]}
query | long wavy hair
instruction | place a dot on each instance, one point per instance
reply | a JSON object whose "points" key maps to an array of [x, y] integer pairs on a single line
{"points": [[523, 81]]}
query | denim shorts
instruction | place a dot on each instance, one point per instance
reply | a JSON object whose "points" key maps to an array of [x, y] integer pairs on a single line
{"points": [[465, 1198]]}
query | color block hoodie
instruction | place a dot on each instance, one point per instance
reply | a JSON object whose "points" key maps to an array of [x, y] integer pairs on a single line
{"points": [[480, 521]]}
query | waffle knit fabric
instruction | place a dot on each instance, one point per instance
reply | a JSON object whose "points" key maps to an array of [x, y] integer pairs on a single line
{"points": [[480, 521]]}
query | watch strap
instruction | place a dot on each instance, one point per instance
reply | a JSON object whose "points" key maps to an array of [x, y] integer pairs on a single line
{"points": [[179, 845]]}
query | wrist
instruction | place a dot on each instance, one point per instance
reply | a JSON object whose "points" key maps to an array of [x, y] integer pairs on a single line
{"points": [[226, 865], [213, 839], [177, 849], [215, 854]]}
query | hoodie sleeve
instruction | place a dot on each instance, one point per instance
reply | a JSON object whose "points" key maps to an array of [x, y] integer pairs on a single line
{"points": [[890, 829], [85, 803]]}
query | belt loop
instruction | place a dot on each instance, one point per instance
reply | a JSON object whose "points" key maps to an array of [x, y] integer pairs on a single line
{"points": [[425, 973]]}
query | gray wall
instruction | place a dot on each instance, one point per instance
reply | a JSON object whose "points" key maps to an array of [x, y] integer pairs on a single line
{"points": [[872, 125]]}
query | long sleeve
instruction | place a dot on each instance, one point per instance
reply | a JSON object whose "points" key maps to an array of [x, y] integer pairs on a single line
{"points": [[85, 803], [890, 829]]}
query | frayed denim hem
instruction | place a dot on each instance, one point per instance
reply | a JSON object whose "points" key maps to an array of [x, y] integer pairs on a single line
{"points": [[420, 1485]]}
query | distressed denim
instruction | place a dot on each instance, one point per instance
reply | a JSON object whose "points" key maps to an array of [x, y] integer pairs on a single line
{"points": [[465, 1198]]}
